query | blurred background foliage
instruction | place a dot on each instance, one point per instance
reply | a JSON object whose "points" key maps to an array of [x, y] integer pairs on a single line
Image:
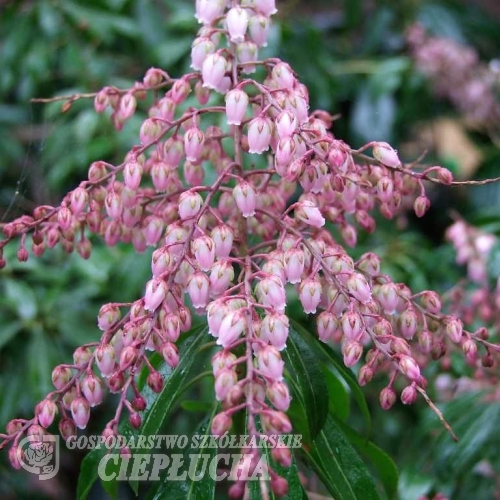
{"points": [[353, 57]]}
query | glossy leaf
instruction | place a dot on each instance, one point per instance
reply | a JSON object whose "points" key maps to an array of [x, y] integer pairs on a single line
{"points": [[336, 363], [309, 381], [339, 466], [187, 489], [159, 406]]}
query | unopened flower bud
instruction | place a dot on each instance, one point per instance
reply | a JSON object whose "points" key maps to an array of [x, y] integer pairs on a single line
{"points": [[46, 411], [236, 106], [387, 398], [385, 154], [245, 197], [409, 368], [155, 382], [409, 395], [421, 205], [279, 395], [92, 389], [221, 424], [309, 213], [80, 411]]}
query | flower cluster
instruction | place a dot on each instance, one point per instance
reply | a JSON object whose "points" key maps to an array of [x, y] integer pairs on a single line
{"points": [[288, 198], [455, 72]]}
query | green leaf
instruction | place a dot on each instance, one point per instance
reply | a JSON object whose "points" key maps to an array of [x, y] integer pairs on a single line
{"points": [[338, 397], [291, 474], [381, 461], [309, 379], [336, 363], [159, 406], [20, 297], [339, 466], [187, 489], [8, 331]]}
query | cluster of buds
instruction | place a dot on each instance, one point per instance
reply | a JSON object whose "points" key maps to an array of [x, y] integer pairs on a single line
{"points": [[456, 73], [229, 249]]}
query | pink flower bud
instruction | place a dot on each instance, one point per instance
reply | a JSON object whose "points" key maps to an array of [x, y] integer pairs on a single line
{"points": [[92, 389], [222, 359], [128, 357], [247, 52], [359, 288], [236, 106], [64, 218], [171, 326], [215, 314], [274, 329], [194, 139], [132, 174], [388, 297], [153, 77], [294, 261], [237, 23], [352, 325], [454, 329], [409, 395], [408, 323], [352, 352], [221, 275], [279, 486], [282, 455], [310, 294], [80, 411], [173, 151], [285, 151], [270, 363], [180, 90], [198, 286], [385, 189], [245, 197], [279, 395], [213, 70], [421, 205], [271, 292], [116, 382], [307, 212], [81, 356], [114, 205], [156, 290], [204, 252], [170, 354], [386, 155], [201, 48], [160, 175], [445, 176], [223, 239], [409, 368], [258, 28], [275, 422], [126, 107], [387, 398], [101, 101], [190, 204], [282, 75], [61, 375], [225, 380], [286, 124], [207, 11], [46, 412], [231, 327], [155, 382], [365, 375], [431, 302], [469, 348], [79, 199], [105, 359], [150, 131], [221, 424], [202, 94], [266, 7], [16, 456], [259, 135], [327, 326]]}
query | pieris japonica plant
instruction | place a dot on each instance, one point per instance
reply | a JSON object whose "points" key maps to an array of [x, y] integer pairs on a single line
{"points": [[276, 221]]}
